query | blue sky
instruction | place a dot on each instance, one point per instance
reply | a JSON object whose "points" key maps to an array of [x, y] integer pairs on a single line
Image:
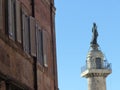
{"points": [[74, 20]]}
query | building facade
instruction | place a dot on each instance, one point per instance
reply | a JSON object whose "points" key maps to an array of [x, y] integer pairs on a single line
{"points": [[27, 45], [97, 68]]}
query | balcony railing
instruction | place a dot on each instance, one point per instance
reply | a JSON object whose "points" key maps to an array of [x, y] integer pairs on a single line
{"points": [[105, 66]]}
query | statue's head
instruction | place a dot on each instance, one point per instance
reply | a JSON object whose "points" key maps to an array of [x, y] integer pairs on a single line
{"points": [[94, 24]]}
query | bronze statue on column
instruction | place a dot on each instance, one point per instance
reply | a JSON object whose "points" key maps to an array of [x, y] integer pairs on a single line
{"points": [[95, 35]]}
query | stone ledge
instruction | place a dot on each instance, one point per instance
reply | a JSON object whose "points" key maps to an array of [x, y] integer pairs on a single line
{"points": [[96, 72]]}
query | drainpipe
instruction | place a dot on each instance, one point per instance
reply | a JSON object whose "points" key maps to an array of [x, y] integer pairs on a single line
{"points": [[35, 73], [33, 7], [34, 58]]}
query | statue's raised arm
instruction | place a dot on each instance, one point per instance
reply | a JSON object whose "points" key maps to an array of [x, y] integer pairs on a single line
{"points": [[95, 34]]}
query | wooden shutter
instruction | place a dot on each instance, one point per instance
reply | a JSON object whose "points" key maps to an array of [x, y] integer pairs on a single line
{"points": [[11, 16], [45, 47], [25, 28], [39, 45], [32, 36], [27, 42], [42, 46], [18, 21], [1, 16]]}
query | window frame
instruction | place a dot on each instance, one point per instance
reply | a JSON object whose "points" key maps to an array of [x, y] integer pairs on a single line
{"points": [[25, 32], [39, 44], [98, 63]]}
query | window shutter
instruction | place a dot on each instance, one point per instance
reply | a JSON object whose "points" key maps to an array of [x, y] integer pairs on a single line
{"points": [[11, 16], [42, 46], [1, 22], [32, 36], [27, 34], [18, 21], [25, 28], [45, 48], [39, 44]]}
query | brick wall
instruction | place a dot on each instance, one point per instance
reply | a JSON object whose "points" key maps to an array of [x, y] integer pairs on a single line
{"points": [[16, 66]]}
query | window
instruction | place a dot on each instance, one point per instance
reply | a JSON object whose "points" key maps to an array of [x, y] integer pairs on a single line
{"points": [[32, 36], [39, 45], [25, 32], [42, 44], [98, 63], [24, 29], [18, 21], [11, 19], [16, 31], [14, 20]]}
